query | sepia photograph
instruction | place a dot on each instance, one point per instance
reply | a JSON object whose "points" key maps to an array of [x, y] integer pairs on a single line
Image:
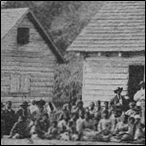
{"points": [[72, 72]]}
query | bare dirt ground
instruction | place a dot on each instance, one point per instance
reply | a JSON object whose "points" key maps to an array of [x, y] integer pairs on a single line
{"points": [[6, 141]]}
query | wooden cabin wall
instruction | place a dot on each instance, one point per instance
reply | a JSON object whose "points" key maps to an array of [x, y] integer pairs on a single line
{"points": [[34, 59], [102, 75]]}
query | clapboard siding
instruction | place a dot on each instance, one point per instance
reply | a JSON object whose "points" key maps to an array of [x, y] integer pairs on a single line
{"points": [[102, 75], [27, 69], [34, 59], [103, 87], [105, 76], [50, 66], [105, 82]]}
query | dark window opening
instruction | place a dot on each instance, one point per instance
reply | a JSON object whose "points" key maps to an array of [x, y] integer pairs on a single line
{"points": [[23, 36], [136, 75]]}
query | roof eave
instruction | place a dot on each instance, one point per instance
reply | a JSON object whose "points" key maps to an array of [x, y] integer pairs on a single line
{"points": [[46, 37]]}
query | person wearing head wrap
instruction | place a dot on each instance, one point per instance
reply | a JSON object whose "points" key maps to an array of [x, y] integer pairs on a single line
{"points": [[139, 97], [140, 94]]}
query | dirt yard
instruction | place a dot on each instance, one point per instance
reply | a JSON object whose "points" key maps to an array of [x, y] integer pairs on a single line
{"points": [[6, 141]]}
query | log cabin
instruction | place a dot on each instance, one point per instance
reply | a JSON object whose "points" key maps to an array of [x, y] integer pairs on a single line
{"points": [[28, 57], [113, 47]]}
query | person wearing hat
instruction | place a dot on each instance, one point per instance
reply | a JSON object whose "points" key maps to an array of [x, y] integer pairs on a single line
{"points": [[9, 117], [139, 98], [118, 106], [22, 127], [118, 99]]}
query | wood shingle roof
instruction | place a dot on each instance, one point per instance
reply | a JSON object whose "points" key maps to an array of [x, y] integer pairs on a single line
{"points": [[118, 26]]}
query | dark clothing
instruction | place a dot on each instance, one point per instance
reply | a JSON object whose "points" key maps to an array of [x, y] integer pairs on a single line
{"points": [[9, 120], [119, 100], [23, 124], [42, 127], [2, 123]]}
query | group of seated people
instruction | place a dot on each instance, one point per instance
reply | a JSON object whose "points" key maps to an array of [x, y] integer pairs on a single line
{"points": [[109, 123]]}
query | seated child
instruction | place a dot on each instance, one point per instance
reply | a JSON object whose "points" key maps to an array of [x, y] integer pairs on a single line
{"points": [[104, 127], [131, 111], [52, 132], [98, 113], [62, 124], [139, 136], [120, 128], [128, 135], [88, 128], [116, 116], [71, 130], [42, 126], [79, 124]]}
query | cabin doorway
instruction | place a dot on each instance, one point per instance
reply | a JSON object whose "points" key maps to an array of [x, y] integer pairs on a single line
{"points": [[136, 75]]}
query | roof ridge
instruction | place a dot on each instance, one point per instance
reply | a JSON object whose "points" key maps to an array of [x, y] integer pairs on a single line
{"points": [[6, 9]]}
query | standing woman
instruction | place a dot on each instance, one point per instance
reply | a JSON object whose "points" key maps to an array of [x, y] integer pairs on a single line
{"points": [[139, 98]]}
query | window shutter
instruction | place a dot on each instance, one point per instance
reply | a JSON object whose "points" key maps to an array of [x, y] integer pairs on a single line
{"points": [[15, 83], [25, 84]]}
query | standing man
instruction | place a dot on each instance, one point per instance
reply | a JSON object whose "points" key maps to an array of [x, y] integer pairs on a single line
{"points": [[118, 99], [9, 117]]}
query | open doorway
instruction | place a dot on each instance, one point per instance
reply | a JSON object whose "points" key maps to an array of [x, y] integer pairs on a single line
{"points": [[136, 75]]}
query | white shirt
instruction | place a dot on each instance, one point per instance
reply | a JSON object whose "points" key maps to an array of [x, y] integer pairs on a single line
{"points": [[139, 96]]}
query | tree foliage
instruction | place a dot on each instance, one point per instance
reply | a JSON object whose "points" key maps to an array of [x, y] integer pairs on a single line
{"points": [[68, 81]]}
